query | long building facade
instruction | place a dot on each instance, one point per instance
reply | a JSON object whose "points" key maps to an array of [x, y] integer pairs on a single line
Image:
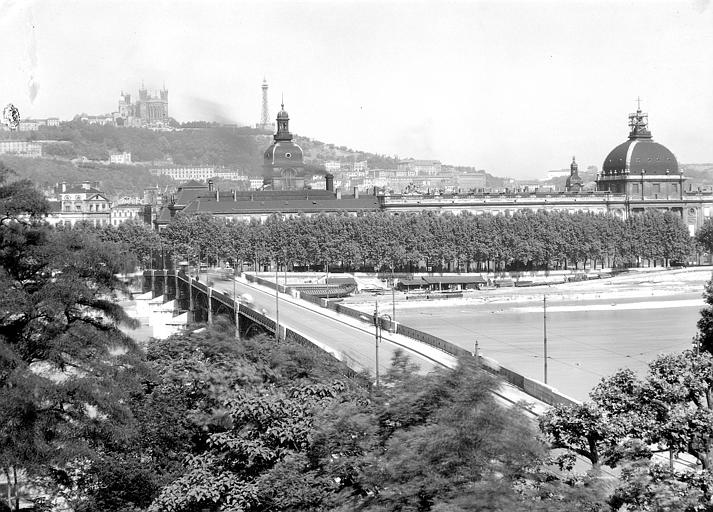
{"points": [[638, 175]]}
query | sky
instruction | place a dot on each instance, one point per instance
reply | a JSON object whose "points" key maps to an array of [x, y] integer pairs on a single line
{"points": [[513, 87]]}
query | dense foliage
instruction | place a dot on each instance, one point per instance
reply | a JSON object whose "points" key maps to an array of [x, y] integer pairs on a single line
{"points": [[116, 180], [629, 419], [281, 428], [526, 240], [195, 143], [66, 370]]}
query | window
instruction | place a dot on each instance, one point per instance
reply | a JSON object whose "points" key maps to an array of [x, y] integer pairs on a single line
{"points": [[635, 187]]}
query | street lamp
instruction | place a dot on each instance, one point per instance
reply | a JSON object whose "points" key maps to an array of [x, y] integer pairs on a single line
{"points": [[277, 302], [544, 326], [377, 334]]}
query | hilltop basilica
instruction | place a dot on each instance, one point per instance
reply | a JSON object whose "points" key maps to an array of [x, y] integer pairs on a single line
{"points": [[150, 110]]}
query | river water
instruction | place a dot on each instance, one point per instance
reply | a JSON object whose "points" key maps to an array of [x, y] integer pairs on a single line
{"points": [[587, 339]]}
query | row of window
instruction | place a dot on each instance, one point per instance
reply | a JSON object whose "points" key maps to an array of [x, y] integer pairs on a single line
{"points": [[655, 187]]}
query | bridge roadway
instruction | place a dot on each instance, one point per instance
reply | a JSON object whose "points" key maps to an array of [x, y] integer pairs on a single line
{"points": [[350, 339]]}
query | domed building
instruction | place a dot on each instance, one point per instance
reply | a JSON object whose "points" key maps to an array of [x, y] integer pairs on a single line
{"points": [[641, 167], [283, 164]]}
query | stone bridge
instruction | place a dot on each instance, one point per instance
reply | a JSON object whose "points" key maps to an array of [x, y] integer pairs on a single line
{"points": [[203, 304]]}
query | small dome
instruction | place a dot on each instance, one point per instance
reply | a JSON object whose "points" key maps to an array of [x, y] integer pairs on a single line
{"points": [[282, 114]]}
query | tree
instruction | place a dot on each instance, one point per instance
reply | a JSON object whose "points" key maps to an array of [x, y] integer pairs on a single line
{"points": [[704, 235], [704, 338], [66, 370], [137, 239], [629, 418]]}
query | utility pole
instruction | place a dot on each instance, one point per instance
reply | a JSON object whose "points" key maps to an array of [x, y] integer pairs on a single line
{"points": [[393, 296], [544, 319], [376, 338], [277, 303], [476, 351], [236, 305]]}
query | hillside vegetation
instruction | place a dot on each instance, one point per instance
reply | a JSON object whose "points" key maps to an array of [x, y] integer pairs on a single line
{"points": [[240, 147]]}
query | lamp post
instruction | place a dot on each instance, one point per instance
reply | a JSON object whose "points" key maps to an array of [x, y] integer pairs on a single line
{"points": [[544, 320], [393, 295], [377, 334], [277, 303], [236, 305]]}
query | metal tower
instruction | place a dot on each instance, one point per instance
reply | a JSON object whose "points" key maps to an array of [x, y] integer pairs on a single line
{"points": [[265, 121]]}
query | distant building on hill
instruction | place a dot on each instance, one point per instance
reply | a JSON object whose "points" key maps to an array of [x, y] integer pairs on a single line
{"points": [[120, 158], [471, 181], [31, 125], [413, 167], [20, 148], [200, 173], [150, 110]]}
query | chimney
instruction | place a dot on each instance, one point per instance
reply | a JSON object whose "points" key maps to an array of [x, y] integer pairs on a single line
{"points": [[217, 196], [329, 180], [210, 185], [356, 192], [235, 195], [339, 194], [64, 186]]}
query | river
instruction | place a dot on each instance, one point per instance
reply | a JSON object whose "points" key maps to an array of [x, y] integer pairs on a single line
{"points": [[586, 339]]}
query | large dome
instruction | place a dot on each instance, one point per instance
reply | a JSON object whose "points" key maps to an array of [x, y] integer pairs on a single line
{"points": [[640, 153], [634, 156]]}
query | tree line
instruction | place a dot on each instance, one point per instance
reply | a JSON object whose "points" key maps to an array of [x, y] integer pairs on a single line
{"points": [[429, 241]]}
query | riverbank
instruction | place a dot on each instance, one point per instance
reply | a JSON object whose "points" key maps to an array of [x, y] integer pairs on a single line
{"points": [[652, 286]]}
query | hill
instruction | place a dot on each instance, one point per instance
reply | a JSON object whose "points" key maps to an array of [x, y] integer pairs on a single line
{"points": [[229, 146], [193, 144]]}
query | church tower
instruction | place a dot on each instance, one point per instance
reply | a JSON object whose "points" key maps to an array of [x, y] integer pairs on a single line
{"points": [[574, 181], [283, 164]]}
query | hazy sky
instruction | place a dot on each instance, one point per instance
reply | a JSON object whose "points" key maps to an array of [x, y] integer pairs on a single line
{"points": [[516, 88]]}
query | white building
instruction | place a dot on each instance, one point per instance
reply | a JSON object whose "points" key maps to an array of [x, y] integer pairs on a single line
{"points": [[120, 158], [125, 212], [79, 203], [20, 148]]}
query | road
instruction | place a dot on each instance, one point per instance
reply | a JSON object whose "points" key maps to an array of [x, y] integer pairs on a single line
{"points": [[352, 339]]}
